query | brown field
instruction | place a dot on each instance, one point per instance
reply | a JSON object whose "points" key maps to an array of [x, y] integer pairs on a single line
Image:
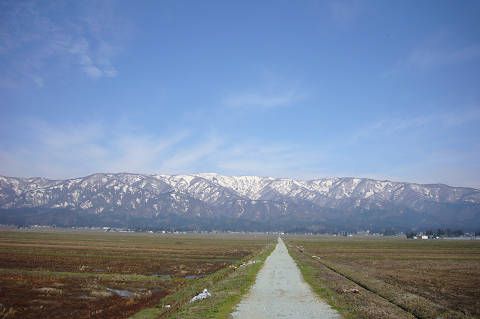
{"points": [[423, 278], [70, 274]]}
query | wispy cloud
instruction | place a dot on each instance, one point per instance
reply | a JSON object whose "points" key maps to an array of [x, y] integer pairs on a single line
{"points": [[265, 100], [141, 152], [434, 53], [83, 148], [91, 66], [256, 157], [69, 150], [344, 12], [391, 125], [266, 89], [189, 158], [35, 41], [80, 149], [433, 57]]}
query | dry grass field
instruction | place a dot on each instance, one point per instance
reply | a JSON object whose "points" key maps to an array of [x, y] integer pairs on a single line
{"points": [[70, 274], [415, 278]]}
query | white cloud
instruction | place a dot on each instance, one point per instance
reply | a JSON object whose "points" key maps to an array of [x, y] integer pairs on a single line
{"points": [[188, 158], [60, 151], [35, 41], [434, 53], [344, 12], [433, 57], [79, 149], [140, 152], [92, 71], [263, 100], [389, 126], [269, 159], [93, 67], [38, 80]]}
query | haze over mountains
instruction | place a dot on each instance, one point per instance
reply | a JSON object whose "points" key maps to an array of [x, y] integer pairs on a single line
{"points": [[211, 201]]}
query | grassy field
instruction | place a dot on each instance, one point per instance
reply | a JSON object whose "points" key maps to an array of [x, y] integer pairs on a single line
{"points": [[70, 274], [380, 278]]}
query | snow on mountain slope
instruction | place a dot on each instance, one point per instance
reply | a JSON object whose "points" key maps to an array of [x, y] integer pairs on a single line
{"points": [[94, 192], [198, 187], [246, 186], [252, 197]]}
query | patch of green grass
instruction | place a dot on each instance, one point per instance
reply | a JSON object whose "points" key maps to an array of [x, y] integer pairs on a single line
{"points": [[226, 294], [227, 287], [310, 276], [148, 313]]}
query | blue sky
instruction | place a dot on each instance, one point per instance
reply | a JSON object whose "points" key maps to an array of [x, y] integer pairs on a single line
{"points": [[304, 89]]}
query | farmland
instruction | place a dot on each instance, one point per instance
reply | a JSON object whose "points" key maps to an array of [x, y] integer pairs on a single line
{"points": [[373, 278], [73, 274]]}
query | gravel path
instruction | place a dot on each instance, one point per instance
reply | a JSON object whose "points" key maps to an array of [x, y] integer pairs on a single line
{"points": [[281, 292]]}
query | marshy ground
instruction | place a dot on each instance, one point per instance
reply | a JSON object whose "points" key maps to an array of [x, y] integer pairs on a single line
{"points": [[60, 274]]}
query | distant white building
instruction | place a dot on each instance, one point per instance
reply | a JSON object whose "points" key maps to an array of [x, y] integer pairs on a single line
{"points": [[424, 237]]}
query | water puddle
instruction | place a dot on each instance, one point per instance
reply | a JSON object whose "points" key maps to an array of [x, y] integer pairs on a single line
{"points": [[194, 276], [121, 293]]}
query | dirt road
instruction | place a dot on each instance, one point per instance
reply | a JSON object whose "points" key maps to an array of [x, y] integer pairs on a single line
{"points": [[280, 292]]}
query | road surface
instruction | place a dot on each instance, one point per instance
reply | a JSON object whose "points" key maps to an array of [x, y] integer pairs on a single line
{"points": [[280, 292]]}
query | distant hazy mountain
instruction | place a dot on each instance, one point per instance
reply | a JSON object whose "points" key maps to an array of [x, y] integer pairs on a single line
{"points": [[212, 201]]}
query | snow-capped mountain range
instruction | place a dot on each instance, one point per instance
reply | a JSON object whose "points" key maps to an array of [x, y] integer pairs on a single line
{"points": [[211, 200]]}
